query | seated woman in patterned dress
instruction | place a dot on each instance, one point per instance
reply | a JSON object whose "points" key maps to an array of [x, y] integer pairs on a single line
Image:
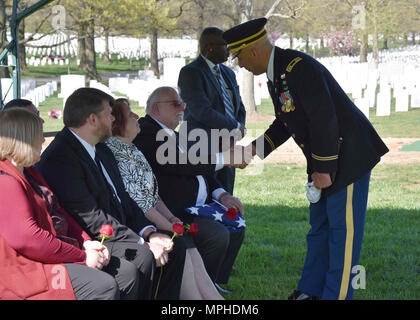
{"points": [[141, 185]]}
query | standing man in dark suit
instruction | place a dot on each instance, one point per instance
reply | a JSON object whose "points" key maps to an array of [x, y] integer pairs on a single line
{"points": [[340, 145], [183, 184], [212, 97], [90, 188]]}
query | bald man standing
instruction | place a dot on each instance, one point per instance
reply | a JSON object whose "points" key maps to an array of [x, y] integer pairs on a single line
{"points": [[340, 145]]}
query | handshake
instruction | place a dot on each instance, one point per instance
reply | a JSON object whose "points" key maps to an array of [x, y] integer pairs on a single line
{"points": [[239, 156]]}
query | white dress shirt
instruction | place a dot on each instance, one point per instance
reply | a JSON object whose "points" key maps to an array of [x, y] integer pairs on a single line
{"points": [[270, 67], [91, 150], [211, 66]]}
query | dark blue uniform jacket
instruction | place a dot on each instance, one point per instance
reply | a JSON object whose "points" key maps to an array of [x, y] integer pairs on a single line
{"points": [[311, 107]]}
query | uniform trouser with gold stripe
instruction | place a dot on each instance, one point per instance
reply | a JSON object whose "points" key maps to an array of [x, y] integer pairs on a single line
{"points": [[335, 241]]}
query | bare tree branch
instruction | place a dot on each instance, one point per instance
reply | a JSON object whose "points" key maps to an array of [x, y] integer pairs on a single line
{"points": [[55, 44], [293, 12]]}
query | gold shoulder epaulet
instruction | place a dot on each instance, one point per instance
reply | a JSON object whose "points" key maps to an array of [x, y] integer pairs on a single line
{"points": [[292, 63]]}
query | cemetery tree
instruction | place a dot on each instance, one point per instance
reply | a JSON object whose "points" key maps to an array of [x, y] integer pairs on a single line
{"points": [[80, 15], [196, 14], [408, 20], [34, 24], [158, 16], [4, 72], [85, 15], [118, 17], [383, 18]]}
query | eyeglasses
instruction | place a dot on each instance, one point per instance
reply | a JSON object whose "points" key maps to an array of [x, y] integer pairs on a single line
{"points": [[174, 103]]}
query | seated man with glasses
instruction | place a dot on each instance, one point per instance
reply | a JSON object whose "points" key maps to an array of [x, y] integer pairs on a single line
{"points": [[183, 184]]}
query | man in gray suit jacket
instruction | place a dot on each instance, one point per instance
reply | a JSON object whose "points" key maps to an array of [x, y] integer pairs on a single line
{"points": [[212, 97]]}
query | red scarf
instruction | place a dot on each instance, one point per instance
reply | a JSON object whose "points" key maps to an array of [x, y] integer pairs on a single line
{"points": [[20, 277]]}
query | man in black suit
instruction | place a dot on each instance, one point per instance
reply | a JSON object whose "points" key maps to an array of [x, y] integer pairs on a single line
{"points": [[212, 96], [90, 188], [185, 183]]}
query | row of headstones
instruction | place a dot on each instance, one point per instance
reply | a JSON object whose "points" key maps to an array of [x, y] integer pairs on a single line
{"points": [[62, 50], [148, 82], [44, 61], [383, 101], [40, 94], [127, 47], [29, 90], [124, 47], [57, 40], [133, 47], [70, 83], [399, 72], [26, 85]]}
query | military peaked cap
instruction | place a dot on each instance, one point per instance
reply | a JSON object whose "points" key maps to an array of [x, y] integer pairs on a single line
{"points": [[244, 35]]}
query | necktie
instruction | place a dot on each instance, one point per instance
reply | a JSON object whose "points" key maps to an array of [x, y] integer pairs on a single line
{"points": [[226, 97], [114, 199]]}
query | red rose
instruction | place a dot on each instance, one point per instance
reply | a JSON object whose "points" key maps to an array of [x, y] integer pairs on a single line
{"points": [[231, 213], [106, 230], [178, 228], [193, 229]]}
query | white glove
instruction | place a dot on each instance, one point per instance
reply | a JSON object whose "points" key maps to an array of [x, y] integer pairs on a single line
{"points": [[313, 193]]}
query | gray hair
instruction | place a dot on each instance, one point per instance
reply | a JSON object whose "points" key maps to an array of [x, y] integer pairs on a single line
{"points": [[155, 95]]}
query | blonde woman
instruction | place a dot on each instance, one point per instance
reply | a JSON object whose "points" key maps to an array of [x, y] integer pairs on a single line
{"points": [[44, 253]]}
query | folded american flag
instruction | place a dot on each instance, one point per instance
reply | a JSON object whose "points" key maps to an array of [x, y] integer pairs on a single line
{"points": [[217, 212]]}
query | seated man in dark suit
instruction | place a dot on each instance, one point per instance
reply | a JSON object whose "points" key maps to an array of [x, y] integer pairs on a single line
{"points": [[183, 184], [91, 190]]}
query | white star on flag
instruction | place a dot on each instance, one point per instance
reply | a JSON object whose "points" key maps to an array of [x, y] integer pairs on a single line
{"points": [[194, 211], [241, 222], [217, 212], [218, 216]]}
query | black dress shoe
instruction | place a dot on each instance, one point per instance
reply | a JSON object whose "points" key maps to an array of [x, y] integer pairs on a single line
{"points": [[299, 295], [221, 290]]}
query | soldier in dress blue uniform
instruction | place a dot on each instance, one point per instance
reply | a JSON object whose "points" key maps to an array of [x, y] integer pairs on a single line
{"points": [[340, 145]]}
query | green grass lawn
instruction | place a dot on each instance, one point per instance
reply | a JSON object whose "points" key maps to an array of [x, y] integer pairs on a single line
{"points": [[273, 252]]}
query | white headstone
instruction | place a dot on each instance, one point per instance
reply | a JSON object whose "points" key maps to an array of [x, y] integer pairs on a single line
{"points": [[70, 83], [118, 84], [383, 105], [415, 99], [363, 105], [370, 93], [146, 74], [401, 100], [171, 68]]}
